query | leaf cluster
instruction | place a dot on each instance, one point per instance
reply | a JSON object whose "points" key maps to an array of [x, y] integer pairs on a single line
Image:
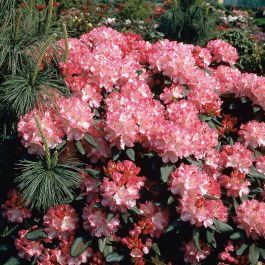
{"points": [[190, 21]]}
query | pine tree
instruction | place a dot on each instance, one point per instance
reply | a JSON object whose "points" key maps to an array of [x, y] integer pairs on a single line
{"points": [[29, 76], [189, 21]]}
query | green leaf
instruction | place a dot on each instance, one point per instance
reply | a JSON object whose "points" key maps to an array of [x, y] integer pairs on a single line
{"points": [[204, 117], [135, 210], [102, 244], [170, 200], [156, 249], [173, 225], [165, 171], [114, 257], [139, 72], [211, 238], [79, 245], [4, 248], [36, 234], [242, 249], [61, 145], [253, 254], [90, 140], [196, 238], [262, 252], [156, 261], [110, 216], [222, 227], [12, 261], [256, 174], [95, 173], [130, 154], [80, 147], [9, 229], [236, 236], [115, 154]]}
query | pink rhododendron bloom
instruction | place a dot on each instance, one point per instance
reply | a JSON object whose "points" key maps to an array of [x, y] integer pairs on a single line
{"points": [[222, 51], [172, 93], [192, 255], [13, 209], [260, 164], [237, 157], [95, 221], [174, 59], [226, 254], [202, 56], [103, 150], [228, 78], [27, 248], [157, 216], [121, 189], [60, 221], [61, 255], [252, 134], [250, 217], [236, 184], [194, 186], [31, 138], [76, 117]]}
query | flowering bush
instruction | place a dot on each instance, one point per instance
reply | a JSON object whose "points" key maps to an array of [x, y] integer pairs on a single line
{"points": [[170, 142]]}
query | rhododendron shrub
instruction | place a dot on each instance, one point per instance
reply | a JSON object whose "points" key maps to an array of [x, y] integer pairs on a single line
{"points": [[170, 138]]}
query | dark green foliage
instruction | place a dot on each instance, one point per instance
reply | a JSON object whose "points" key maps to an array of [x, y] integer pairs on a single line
{"points": [[44, 187], [190, 21], [28, 69], [136, 9], [250, 54]]}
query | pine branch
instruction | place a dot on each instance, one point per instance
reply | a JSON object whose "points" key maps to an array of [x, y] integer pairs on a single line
{"points": [[66, 44], [45, 188], [42, 52], [49, 16]]}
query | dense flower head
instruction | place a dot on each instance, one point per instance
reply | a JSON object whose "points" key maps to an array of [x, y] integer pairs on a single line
{"points": [[27, 248], [236, 184], [222, 52], [194, 187], [252, 134], [250, 217], [228, 78], [96, 222], [13, 209], [202, 56], [260, 164], [60, 221], [61, 254], [173, 59], [29, 131], [237, 157], [76, 117], [158, 217], [192, 255], [120, 189]]}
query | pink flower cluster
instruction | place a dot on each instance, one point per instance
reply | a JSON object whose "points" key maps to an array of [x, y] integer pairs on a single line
{"points": [[192, 255], [250, 217], [195, 189], [120, 189], [73, 118], [253, 134], [222, 52], [13, 209], [60, 223]]}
